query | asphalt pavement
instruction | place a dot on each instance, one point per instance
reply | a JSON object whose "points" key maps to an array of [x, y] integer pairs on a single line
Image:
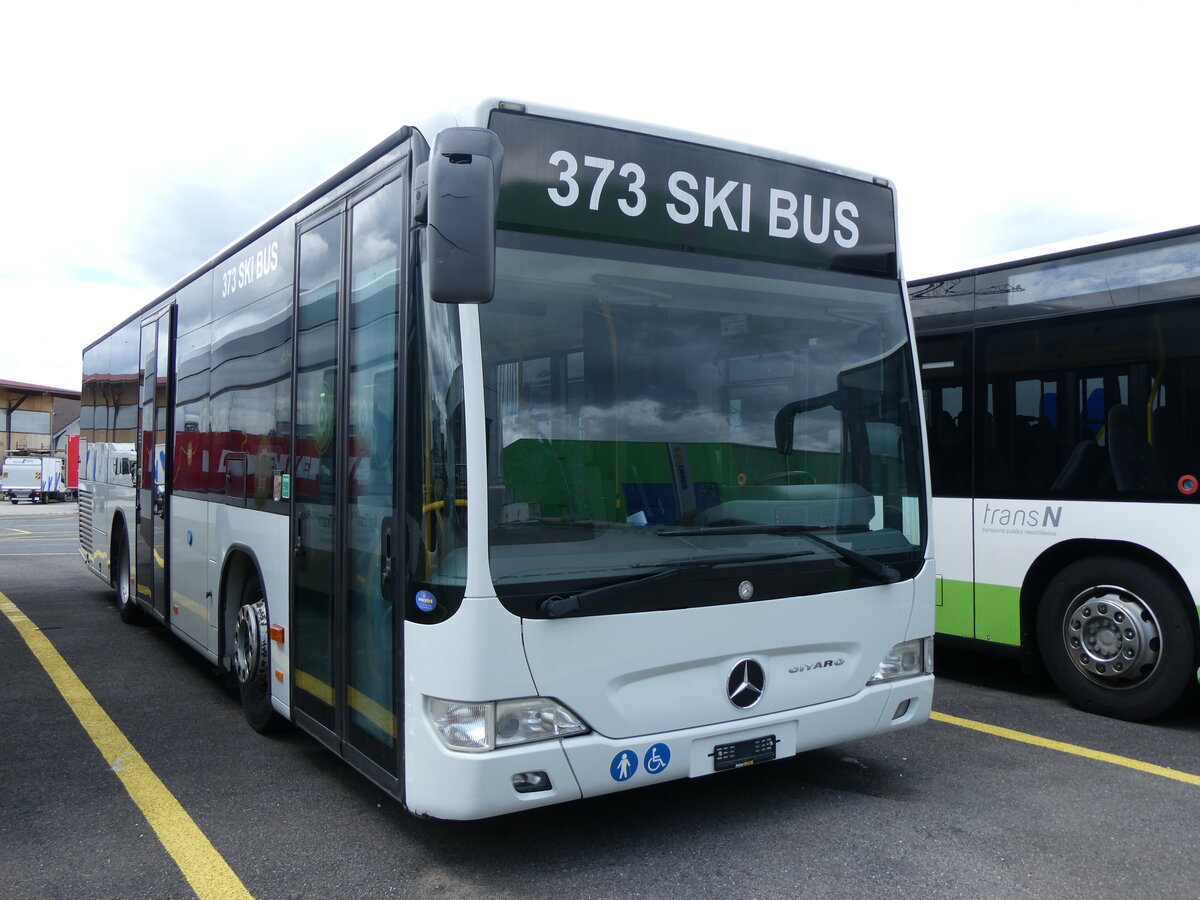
{"points": [[943, 810]]}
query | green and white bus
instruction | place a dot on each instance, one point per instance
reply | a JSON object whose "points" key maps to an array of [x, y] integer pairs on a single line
{"points": [[1062, 394], [533, 459]]}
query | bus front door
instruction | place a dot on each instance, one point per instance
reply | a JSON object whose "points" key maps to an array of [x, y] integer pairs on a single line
{"points": [[346, 619]]}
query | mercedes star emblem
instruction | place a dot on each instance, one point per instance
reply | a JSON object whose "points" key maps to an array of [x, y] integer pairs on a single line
{"points": [[746, 683]]}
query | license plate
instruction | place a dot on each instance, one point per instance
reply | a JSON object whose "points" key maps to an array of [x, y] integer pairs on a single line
{"points": [[744, 753]]}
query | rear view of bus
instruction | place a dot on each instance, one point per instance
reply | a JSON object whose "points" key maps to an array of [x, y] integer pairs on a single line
{"points": [[534, 460], [695, 522]]}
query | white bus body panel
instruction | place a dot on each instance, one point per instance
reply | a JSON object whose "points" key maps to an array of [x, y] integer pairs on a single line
{"points": [[191, 601], [643, 673], [448, 784], [1011, 534], [231, 528], [110, 492], [951, 538]]}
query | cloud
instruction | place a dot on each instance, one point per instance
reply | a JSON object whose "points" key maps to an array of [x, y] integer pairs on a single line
{"points": [[142, 138], [48, 322]]}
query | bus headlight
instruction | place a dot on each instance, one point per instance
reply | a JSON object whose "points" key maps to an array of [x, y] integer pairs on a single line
{"points": [[905, 660], [479, 727]]}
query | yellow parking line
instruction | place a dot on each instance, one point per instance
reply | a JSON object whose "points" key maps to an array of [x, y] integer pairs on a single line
{"points": [[1099, 755], [76, 553], [12, 534], [203, 867]]}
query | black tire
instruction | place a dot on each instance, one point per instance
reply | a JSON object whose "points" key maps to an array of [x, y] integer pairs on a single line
{"points": [[130, 613], [252, 659], [1118, 638]]}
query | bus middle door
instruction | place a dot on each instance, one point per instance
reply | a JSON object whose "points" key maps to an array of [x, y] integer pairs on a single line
{"points": [[154, 454]]}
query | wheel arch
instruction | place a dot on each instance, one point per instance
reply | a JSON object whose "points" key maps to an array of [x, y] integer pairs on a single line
{"points": [[1056, 558], [118, 533]]}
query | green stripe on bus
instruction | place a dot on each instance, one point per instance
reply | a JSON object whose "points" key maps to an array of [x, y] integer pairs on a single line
{"points": [[987, 612]]}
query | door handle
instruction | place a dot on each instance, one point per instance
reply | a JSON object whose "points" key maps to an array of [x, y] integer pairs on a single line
{"points": [[386, 559]]}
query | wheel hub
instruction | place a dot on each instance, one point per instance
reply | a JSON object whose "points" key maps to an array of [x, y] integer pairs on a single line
{"points": [[248, 641], [1111, 636]]}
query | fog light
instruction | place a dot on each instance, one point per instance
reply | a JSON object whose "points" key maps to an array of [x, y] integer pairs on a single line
{"points": [[531, 782], [902, 709]]}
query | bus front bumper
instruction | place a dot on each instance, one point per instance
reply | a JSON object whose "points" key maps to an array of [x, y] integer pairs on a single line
{"points": [[451, 785]]}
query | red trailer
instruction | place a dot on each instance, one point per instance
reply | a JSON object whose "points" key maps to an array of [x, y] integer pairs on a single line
{"points": [[72, 472]]}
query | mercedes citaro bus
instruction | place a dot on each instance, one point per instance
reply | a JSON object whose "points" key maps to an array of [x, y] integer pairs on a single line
{"points": [[534, 459]]}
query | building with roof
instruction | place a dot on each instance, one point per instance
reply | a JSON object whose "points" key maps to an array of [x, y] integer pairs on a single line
{"points": [[32, 415]]}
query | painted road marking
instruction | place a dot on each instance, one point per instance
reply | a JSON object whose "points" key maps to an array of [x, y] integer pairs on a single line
{"points": [[1073, 749], [203, 867], [21, 532], [75, 553]]}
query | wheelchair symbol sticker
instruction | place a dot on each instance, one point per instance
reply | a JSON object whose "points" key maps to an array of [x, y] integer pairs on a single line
{"points": [[623, 766], [658, 757]]}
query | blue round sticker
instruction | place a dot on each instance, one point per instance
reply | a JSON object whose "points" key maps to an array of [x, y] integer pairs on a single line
{"points": [[658, 757], [426, 601], [623, 766]]}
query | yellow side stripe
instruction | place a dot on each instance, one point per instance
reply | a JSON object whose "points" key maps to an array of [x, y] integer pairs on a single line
{"points": [[314, 686], [384, 718], [203, 867], [1073, 749]]}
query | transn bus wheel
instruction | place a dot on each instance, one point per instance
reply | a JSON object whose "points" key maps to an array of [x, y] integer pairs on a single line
{"points": [[1117, 638]]}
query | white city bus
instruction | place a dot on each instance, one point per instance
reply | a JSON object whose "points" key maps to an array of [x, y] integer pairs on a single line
{"points": [[566, 456], [1062, 391]]}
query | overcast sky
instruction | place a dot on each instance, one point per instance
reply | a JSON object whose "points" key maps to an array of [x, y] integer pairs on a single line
{"points": [[137, 140]]}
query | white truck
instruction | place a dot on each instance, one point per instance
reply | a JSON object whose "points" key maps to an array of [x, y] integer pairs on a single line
{"points": [[37, 479]]}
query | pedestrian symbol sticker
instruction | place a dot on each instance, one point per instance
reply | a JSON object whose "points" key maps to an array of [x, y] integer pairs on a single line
{"points": [[657, 759], [623, 766]]}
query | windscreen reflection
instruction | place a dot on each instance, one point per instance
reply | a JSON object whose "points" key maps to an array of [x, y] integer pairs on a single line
{"points": [[636, 408]]}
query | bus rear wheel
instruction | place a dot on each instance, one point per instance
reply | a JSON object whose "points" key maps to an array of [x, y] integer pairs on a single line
{"points": [[252, 658], [130, 614], [1116, 637]]}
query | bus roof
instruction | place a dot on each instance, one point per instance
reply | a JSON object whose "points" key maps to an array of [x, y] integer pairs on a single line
{"points": [[674, 134], [1110, 240], [478, 116]]}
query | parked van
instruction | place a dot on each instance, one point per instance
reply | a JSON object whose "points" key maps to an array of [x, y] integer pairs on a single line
{"points": [[33, 478]]}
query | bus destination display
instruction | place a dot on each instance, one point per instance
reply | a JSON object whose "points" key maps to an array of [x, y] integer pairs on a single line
{"points": [[603, 183]]}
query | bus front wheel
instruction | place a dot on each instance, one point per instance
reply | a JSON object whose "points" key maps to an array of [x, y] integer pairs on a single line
{"points": [[1116, 637], [252, 658]]}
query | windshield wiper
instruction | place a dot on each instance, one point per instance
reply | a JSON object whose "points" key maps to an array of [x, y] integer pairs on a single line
{"points": [[558, 606], [868, 564]]}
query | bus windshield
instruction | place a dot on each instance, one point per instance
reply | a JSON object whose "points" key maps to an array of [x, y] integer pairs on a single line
{"points": [[650, 407]]}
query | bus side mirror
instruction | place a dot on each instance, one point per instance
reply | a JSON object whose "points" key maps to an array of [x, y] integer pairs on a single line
{"points": [[462, 195]]}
